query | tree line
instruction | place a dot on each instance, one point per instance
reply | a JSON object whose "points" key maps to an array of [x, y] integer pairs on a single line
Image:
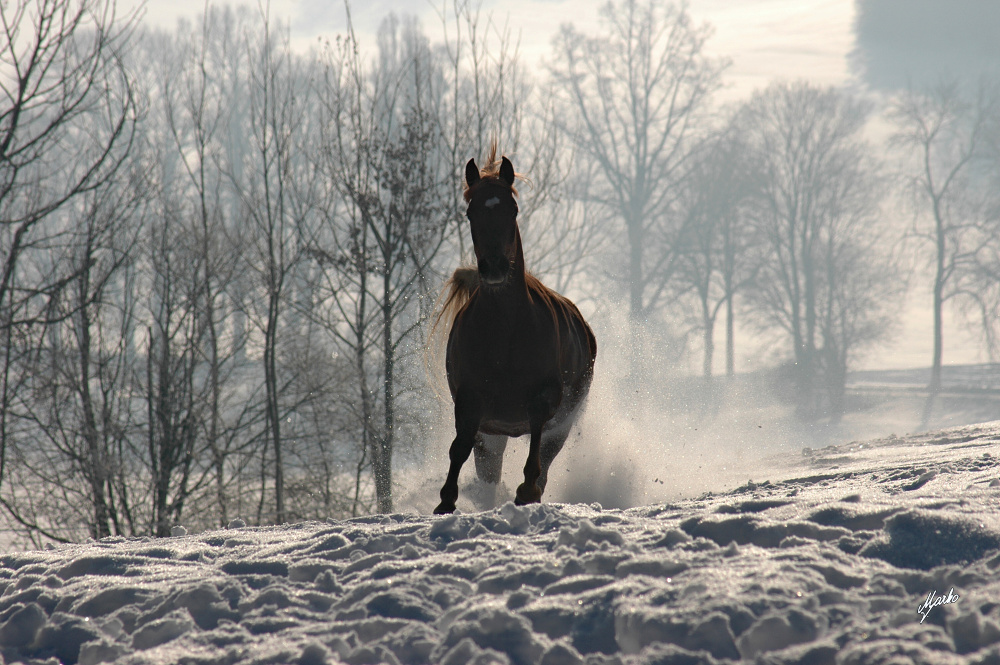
{"points": [[220, 254]]}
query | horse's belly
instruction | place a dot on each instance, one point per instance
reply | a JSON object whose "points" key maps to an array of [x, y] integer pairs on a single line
{"points": [[514, 421], [505, 414], [506, 428]]}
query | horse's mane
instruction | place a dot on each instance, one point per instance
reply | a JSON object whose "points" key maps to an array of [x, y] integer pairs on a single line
{"points": [[462, 284], [454, 295], [490, 172], [457, 292]]}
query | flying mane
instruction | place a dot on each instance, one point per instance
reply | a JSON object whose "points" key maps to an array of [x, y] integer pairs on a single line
{"points": [[490, 173]]}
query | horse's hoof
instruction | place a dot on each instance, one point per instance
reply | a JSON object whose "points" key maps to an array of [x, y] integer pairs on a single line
{"points": [[525, 496], [444, 509]]}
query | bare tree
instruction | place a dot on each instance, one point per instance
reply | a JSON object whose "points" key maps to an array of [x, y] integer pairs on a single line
{"points": [[634, 98], [384, 228], [720, 247], [482, 96], [277, 185], [264, 208], [941, 132], [67, 118], [862, 288], [198, 105], [984, 287], [819, 192], [227, 433], [76, 407]]}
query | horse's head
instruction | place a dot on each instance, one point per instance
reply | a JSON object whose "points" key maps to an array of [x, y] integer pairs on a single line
{"points": [[492, 217]]}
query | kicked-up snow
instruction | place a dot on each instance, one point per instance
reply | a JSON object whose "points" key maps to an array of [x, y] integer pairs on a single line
{"points": [[881, 552]]}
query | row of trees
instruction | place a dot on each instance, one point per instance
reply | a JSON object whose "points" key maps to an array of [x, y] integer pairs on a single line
{"points": [[777, 210], [220, 254], [220, 313]]}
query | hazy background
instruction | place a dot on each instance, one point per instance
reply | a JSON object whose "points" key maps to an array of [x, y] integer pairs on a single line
{"points": [[872, 45], [224, 239]]}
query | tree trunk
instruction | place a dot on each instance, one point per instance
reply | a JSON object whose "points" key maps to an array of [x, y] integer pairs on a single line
{"points": [[161, 527], [939, 279], [730, 341], [161, 409], [635, 299], [836, 384], [273, 413], [382, 461], [708, 323], [367, 435], [214, 416], [5, 329], [635, 268], [811, 368], [96, 471]]}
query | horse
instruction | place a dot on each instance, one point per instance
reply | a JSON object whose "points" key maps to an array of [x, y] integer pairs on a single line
{"points": [[520, 357]]}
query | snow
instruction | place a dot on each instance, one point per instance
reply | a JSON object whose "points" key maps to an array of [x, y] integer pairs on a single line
{"points": [[829, 560]]}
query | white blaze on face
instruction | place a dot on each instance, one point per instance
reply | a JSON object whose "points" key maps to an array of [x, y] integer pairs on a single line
{"points": [[492, 202]]}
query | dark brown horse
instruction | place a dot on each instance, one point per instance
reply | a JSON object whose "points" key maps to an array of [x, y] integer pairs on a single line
{"points": [[520, 356]]}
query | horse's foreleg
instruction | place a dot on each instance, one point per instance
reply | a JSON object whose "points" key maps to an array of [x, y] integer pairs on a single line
{"points": [[466, 426], [460, 450]]}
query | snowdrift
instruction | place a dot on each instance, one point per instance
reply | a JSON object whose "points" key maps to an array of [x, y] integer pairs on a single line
{"points": [[858, 553]]}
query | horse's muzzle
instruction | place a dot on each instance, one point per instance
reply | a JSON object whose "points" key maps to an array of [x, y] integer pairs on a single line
{"points": [[494, 272]]}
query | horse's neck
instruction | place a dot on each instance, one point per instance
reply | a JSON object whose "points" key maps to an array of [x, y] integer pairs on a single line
{"points": [[506, 302]]}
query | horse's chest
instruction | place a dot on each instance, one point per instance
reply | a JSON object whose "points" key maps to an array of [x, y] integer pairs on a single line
{"points": [[514, 357]]}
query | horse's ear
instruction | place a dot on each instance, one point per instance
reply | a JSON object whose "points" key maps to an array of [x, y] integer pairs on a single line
{"points": [[507, 171], [471, 173]]}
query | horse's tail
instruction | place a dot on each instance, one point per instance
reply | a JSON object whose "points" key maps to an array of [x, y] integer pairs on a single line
{"points": [[456, 293]]}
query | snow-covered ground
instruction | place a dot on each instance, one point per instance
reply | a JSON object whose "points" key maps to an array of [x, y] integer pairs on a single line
{"points": [[827, 561]]}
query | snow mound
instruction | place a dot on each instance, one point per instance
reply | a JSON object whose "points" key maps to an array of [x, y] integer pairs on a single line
{"points": [[828, 561]]}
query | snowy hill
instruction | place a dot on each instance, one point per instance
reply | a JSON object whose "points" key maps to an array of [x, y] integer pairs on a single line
{"points": [[827, 561]]}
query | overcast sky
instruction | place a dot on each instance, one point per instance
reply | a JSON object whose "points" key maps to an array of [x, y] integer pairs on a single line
{"points": [[899, 43], [766, 39]]}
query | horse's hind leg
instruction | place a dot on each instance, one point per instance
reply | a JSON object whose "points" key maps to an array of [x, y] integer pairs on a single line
{"points": [[552, 443], [489, 451], [528, 491], [539, 411]]}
